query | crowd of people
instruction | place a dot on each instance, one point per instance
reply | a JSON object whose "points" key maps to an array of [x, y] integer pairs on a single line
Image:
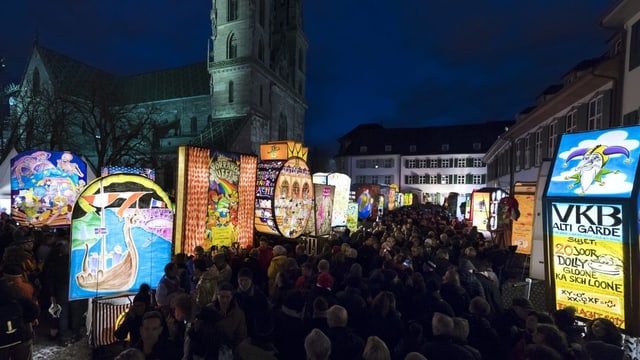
{"points": [[412, 285], [35, 281]]}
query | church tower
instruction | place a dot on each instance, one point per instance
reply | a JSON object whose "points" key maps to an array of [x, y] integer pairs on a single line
{"points": [[257, 67]]}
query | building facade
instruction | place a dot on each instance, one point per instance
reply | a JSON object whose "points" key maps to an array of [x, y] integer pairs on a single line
{"points": [[430, 162], [248, 91], [624, 18], [257, 63]]}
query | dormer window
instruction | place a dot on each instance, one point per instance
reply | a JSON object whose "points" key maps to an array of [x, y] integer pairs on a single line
{"points": [[412, 148], [444, 147], [363, 149], [387, 148]]}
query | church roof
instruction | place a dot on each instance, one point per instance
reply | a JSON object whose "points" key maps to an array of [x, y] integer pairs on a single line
{"points": [[77, 78], [459, 139], [70, 75], [185, 81]]}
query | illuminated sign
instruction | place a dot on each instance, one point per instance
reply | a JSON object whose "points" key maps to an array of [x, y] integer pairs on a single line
{"points": [[391, 197], [282, 150], [215, 195], [522, 229], [224, 213], [587, 259], [368, 202], [484, 208], [596, 163], [352, 216], [121, 236], [44, 187], [284, 197], [324, 207], [267, 176], [342, 184], [222, 205]]}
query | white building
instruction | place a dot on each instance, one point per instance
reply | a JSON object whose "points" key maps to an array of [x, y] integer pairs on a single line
{"points": [[625, 19], [431, 162]]}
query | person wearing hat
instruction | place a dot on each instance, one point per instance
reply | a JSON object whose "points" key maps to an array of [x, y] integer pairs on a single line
{"points": [[290, 327], [20, 252], [513, 321], [276, 266], [251, 300]]}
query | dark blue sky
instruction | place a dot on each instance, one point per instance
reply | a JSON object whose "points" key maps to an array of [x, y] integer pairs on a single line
{"points": [[398, 63]]}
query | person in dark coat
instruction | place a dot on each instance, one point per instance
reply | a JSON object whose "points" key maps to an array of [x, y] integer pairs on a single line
{"points": [[133, 320], [260, 278], [443, 345], [251, 300], [453, 293], [318, 316], [603, 340], [154, 342], [16, 341], [290, 327], [412, 343], [491, 289], [356, 306], [56, 275], [323, 288], [384, 320], [482, 335], [345, 344]]}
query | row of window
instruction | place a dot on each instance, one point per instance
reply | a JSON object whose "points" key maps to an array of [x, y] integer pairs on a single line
{"points": [[594, 122], [420, 163], [374, 179], [443, 163], [444, 179], [530, 149], [375, 163]]}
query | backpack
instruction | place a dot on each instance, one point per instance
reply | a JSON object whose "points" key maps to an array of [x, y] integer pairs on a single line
{"points": [[13, 328]]}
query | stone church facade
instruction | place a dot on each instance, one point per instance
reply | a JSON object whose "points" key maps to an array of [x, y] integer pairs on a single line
{"points": [[250, 89]]}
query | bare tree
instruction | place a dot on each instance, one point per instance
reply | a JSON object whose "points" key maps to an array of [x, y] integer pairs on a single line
{"points": [[94, 121], [117, 133], [30, 127]]}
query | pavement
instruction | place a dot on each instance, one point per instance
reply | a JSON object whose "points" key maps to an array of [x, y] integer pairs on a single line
{"points": [[46, 348]]}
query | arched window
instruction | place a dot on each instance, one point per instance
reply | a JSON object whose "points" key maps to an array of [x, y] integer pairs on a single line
{"points": [[261, 95], [230, 91], [284, 190], [295, 191], [35, 79], [232, 10], [194, 125], [232, 47], [283, 127], [260, 50]]}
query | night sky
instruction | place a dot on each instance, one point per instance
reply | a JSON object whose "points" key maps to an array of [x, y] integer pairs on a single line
{"points": [[423, 63]]}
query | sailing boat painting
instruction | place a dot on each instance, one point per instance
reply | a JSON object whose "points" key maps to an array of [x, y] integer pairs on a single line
{"points": [[121, 231]]}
